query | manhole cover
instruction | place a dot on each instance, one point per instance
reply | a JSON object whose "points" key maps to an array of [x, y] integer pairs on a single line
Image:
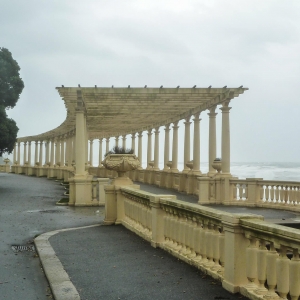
{"points": [[22, 248]]}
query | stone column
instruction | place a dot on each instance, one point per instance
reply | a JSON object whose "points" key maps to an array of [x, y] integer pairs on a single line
{"points": [[225, 138], [52, 153], [46, 152], [140, 147], [86, 141], [15, 153], [41, 154], [25, 153], [91, 152], [124, 141], [67, 150], [36, 152], [167, 147], [196, 152], [19, 153], [62, 152], [100, 153], [133, 142], [212, 141], [174, 168], [156, 149], [74, 149], [29, 153], [57, 151], [149, 148], [117, 141], [80, 141], [107, 145], [187, 142]]}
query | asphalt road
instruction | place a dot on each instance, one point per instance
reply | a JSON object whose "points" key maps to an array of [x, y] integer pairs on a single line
{"points": [[27, 209]]}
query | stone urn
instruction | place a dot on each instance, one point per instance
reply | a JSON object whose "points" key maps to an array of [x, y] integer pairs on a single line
{"points": [[217, 164], [6, 160], [190, 164], [121, 163]]}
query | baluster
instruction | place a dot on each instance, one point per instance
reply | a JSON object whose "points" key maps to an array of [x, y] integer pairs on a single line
{"points": [[276, 194], [192, 226], [180, 233], [297, 192], [187, 235], [241, 192], [166, 227], [251, 264], [261, 192], [272, 193], [246, 192], [235, 196], [94, 190], [282, 270], [172, 230], [280, 200], [209, 246], [216, 248], [267, 193], [197, 232], [222, 252], [149, 216], [203, 244], [295, 275], [261, 268], [176, 231], [271, 258]]}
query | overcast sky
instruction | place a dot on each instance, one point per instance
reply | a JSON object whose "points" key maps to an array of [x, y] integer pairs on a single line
{"points": [[234, 42]]}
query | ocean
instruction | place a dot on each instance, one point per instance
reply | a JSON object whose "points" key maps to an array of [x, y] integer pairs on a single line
{"points": [[287, 171]]}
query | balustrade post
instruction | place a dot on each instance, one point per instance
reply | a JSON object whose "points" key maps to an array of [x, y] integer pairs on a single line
{"points": [[140, 149], [24, 153], [225, 138], [156, 149], [149, 149], [100, 152], [174, 168], [196, 150], [167, 147], [91, 152], [187, 142], [212, 140]]}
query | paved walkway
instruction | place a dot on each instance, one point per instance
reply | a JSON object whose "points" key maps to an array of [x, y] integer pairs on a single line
{"points": [[103, 262]]}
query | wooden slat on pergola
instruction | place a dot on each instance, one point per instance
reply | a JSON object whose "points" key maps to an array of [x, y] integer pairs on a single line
{"points": [[121, 111]]}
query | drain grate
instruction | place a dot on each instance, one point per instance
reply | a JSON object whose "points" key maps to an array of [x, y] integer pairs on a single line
{"points": [[22, 248]]}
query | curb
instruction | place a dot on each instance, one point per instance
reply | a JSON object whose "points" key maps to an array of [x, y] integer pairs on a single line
{"points": [[60, 283]]}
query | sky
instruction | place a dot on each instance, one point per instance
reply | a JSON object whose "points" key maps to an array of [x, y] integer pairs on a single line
{"points": [[234, 42]]}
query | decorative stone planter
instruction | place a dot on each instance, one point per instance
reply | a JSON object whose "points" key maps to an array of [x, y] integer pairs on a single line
{"points": [[121, 163], [217, 164], [190, 164], [6, 160]]}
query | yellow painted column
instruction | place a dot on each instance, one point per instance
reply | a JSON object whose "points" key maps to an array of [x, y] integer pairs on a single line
{"points": [[100, 153], [140, 147], [174, 168], [36, 152], [167, 147], [196, 152], [15, 153], [212, 140], [80, 144], [91, 152], [29, 153], [124, 141], [149, 148], [117, 141], [107, 145], [225, 138], [41, 154], [46, 152], [52, 153], [74, 149], [62, 152], [156, 149], [133, 142], [25, 153], [187, 142]]}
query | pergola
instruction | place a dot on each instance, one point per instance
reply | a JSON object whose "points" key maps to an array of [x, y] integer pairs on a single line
{"points": [[119, 111]]}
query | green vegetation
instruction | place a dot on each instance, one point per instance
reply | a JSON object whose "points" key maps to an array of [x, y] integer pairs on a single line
{"points": [[11, 86], [119, 150]]}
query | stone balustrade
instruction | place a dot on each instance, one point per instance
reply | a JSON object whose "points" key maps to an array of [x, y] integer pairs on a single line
{"points": [[247, 254]]}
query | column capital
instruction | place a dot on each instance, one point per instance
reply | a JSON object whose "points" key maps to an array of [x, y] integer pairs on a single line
{"points": [[100, 139], [157, 130], [91, 141], [187, 123], [175, 125], [41, 142], [187, 119], [107, 139], [124, 136], [167, 127], [149, 131], [140, 134], [133, 135], [197, 117]]}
